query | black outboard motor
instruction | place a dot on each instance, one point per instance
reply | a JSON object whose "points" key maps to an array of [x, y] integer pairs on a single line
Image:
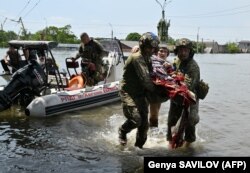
{"points": [[25, 83]]}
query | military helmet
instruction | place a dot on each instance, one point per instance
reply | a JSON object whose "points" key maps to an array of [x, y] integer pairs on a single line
{"points": [[149, 39], [184, 42]]}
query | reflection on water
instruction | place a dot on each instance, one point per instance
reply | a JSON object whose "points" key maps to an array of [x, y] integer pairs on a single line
{"points": [[86, 141]]}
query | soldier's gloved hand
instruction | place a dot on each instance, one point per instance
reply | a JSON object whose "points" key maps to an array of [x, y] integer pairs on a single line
{"points": [[187, 80]]}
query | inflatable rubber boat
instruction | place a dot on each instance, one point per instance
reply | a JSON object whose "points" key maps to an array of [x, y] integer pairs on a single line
{"points": [[65, 101], [46, 91]]}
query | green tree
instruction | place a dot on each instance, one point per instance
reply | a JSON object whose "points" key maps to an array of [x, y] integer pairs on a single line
{"points": [[171, 41], [66, 36], [134, 36], [232, 48], [201, 47], [60, 35], [2, 38], [5, 37]]}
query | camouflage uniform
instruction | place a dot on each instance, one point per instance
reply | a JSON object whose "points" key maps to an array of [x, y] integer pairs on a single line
{"points": [[14, 60], [192, 73], [93, 52], [134, 86]]}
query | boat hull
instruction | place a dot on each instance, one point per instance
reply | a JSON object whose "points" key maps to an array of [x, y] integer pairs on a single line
{"points": [[66, 101]]}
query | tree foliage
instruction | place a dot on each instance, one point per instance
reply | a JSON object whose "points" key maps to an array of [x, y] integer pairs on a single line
{"points": [[60, 35], [134, 36], [171, 41], [232, 48], [199, 48], [7, 36], [52, 33]]}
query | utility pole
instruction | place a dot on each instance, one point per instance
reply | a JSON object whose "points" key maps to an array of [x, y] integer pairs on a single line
{"points": [[111, 31], [24, 30], [46, 27], [22, 27], [202, 48], [197, 43], [3, 23]]}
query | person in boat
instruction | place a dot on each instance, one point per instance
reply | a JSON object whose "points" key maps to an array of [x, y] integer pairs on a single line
{"points": [[185, 64], [91, 52], [12, 58], [135, 85], [161, 67], [46, 63], [29, 55], [41, 58], [50, 66]]}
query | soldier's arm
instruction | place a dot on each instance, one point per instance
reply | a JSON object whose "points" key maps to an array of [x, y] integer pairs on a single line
{"points": [[143, 74], [80, 53], [194, 77], [6, 57]]}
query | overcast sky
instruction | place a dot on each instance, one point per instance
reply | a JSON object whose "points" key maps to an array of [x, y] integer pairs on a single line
{"points": [[219, 20]]}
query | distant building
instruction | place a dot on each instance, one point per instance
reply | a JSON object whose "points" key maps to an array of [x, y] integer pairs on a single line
{"points": [[223, 48], [211, 47], [244, 46], [128, 45]]}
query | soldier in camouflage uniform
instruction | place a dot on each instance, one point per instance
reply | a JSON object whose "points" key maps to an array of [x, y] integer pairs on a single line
{"points": [[135, 85], [188, 66], [14, 60], [92, 53]]}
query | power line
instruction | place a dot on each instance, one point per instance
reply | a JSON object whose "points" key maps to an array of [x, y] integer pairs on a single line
{"points": [[31, 9], [226, 12], [23, 8]]}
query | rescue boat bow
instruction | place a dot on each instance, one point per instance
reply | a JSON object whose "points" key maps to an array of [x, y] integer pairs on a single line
{"points": [[65, 101]]}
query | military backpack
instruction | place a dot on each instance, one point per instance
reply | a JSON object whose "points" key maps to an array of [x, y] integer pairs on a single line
{"points": [[202, 89]]}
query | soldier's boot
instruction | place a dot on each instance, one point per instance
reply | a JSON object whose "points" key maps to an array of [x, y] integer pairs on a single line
{"points": [[122, 137], [140, 142]]}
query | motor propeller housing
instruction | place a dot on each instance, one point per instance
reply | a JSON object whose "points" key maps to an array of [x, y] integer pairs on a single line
{"points": [[24, 82]]}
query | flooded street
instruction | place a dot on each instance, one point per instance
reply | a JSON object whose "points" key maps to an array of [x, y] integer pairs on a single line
{"points": [[87, 140]]}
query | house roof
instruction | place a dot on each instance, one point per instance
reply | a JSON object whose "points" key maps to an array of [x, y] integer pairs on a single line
{"points": [[130, 43], [210, 43], [244, 41]]}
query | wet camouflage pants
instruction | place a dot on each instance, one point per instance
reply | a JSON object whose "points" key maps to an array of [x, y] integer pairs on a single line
{"points": [[136, 112], [193, 118]]}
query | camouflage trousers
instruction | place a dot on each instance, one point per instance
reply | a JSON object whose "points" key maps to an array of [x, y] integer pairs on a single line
{"points": [[136, 112], [193, 118], [94, 75], [97, 77]]}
